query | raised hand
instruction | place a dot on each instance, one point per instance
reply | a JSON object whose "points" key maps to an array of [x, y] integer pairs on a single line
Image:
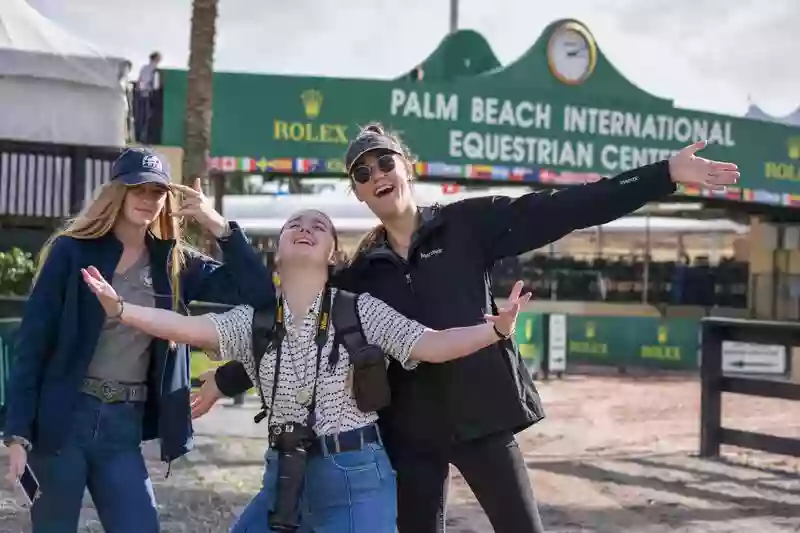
{"points": [[197, 205], [108, 297], [507, 315], [686, 167]]}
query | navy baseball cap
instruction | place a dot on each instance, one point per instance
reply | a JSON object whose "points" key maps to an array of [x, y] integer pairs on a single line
{"points": [[137, 166]]}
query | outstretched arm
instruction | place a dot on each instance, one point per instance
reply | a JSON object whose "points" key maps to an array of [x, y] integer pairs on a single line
{"points": [[200, 331], [502, 227], [409, 341]]}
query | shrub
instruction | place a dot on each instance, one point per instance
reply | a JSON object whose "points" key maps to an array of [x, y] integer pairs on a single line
{"points": [[17, 269]]}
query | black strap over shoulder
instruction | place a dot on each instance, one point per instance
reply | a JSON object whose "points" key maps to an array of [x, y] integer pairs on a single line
{"points": [[347, 322], [268, 329], [263, 334]]}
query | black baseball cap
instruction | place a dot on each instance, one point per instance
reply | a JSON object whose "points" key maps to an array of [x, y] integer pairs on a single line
{"points": [[367, 141], [137, 166]]}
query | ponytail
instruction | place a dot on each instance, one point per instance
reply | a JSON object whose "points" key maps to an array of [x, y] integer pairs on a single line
{"points": [[367, 241]]}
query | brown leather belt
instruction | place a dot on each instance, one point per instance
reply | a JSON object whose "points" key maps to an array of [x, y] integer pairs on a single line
{"points": [[110, 391]]}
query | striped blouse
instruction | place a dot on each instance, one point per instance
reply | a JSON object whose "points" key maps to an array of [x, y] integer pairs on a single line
{"points": [[336, 409]]}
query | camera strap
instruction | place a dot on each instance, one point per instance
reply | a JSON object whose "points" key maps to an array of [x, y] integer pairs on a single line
{"points": [[320, 339]]}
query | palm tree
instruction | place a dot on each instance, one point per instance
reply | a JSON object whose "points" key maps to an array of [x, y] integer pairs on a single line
{"points": [[199, 92]]}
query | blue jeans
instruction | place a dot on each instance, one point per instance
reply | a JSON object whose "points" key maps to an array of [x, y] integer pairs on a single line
{"points": [[348, 492], [103, 453]]}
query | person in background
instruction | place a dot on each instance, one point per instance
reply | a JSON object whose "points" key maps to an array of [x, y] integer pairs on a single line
{"points": [[85, 390], [146, 84], [127, 92], [432, 264], [325, 451]]}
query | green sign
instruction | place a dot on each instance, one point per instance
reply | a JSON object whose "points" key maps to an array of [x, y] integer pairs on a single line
{"points": [[596, 340], [8, 327], [549, 117], [632, 342]]}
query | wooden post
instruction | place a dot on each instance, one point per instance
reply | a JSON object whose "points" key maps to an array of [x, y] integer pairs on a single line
{"points": [[710, 394]]}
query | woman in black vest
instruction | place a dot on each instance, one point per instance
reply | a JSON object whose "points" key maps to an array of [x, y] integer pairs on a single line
{"points": [[327, 469], [432, 264]]}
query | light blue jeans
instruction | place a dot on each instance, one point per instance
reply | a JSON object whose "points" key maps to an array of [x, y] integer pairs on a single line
{"points": [[348, 492]]}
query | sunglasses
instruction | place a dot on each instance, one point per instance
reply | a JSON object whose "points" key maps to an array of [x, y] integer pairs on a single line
{"points": [[363, 173]]}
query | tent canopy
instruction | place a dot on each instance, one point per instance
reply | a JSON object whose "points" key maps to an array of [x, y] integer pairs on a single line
{"points": [[55, 87], [32, 45]]}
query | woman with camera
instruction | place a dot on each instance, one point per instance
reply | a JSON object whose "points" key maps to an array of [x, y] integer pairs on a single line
{"points": [[327, 468], [433, 264]]}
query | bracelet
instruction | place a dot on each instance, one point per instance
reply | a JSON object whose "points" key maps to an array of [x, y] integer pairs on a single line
{"points": [[227, 233], [121, 303], [13, 439], [499, 334]]}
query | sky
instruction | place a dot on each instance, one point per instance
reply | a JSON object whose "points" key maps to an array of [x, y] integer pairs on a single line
{"points": [[711, 55]]}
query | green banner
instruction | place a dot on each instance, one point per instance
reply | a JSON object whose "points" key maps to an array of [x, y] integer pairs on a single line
{"points": [[632, 342], [8, 327], [527, 122], [597, 340], [665, 344]]}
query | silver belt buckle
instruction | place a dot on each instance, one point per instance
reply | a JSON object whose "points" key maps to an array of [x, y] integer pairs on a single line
{"points": [[107, 391]]}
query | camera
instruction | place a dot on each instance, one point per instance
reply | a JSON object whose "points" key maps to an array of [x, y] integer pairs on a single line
{"points": [[292, 442]]}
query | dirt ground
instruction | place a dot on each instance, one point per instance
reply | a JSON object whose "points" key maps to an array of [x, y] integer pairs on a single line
{"points": [[615, 454]]}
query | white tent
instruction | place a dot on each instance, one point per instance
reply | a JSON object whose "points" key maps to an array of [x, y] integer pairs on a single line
{"points": [[755, 112], [54, 87]]}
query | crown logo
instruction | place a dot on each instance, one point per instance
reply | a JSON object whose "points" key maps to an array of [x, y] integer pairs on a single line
{"points": [[312, 102], [590, 330], [663, 334], [793, 144]]}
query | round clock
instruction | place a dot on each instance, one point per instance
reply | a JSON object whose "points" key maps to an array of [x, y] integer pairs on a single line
{"points": [[571, 53]]}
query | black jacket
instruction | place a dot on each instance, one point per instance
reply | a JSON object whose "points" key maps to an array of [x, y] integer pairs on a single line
{"points": [[445, 284]]}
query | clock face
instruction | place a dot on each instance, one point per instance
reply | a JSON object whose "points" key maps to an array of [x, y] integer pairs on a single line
{"points": [[571, 54]]}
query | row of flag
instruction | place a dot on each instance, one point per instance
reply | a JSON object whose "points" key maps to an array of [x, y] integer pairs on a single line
{"points": [[487, 172]]}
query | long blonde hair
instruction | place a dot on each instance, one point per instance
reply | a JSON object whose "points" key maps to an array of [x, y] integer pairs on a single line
{"points": [[100, 216]]}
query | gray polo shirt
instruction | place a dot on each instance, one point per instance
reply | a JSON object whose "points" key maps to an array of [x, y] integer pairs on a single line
{"points": [[123, 353]]}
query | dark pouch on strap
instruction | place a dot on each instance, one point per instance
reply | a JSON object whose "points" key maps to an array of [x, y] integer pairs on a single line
{"points": [[370, 380]]}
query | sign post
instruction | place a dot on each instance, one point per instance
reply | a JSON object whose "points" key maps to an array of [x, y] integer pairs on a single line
{"points": [[557, 344]]}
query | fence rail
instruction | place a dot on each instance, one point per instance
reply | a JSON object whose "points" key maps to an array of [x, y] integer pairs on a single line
{"points": [[714, 332], [50, 180]]}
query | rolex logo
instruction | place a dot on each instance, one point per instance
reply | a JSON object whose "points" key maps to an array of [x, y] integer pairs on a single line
{"points": [[312, 102], [793, 144], [663, 334]]}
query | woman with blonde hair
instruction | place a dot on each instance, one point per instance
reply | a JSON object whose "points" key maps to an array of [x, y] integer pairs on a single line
{"points": [[85, 389]]}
